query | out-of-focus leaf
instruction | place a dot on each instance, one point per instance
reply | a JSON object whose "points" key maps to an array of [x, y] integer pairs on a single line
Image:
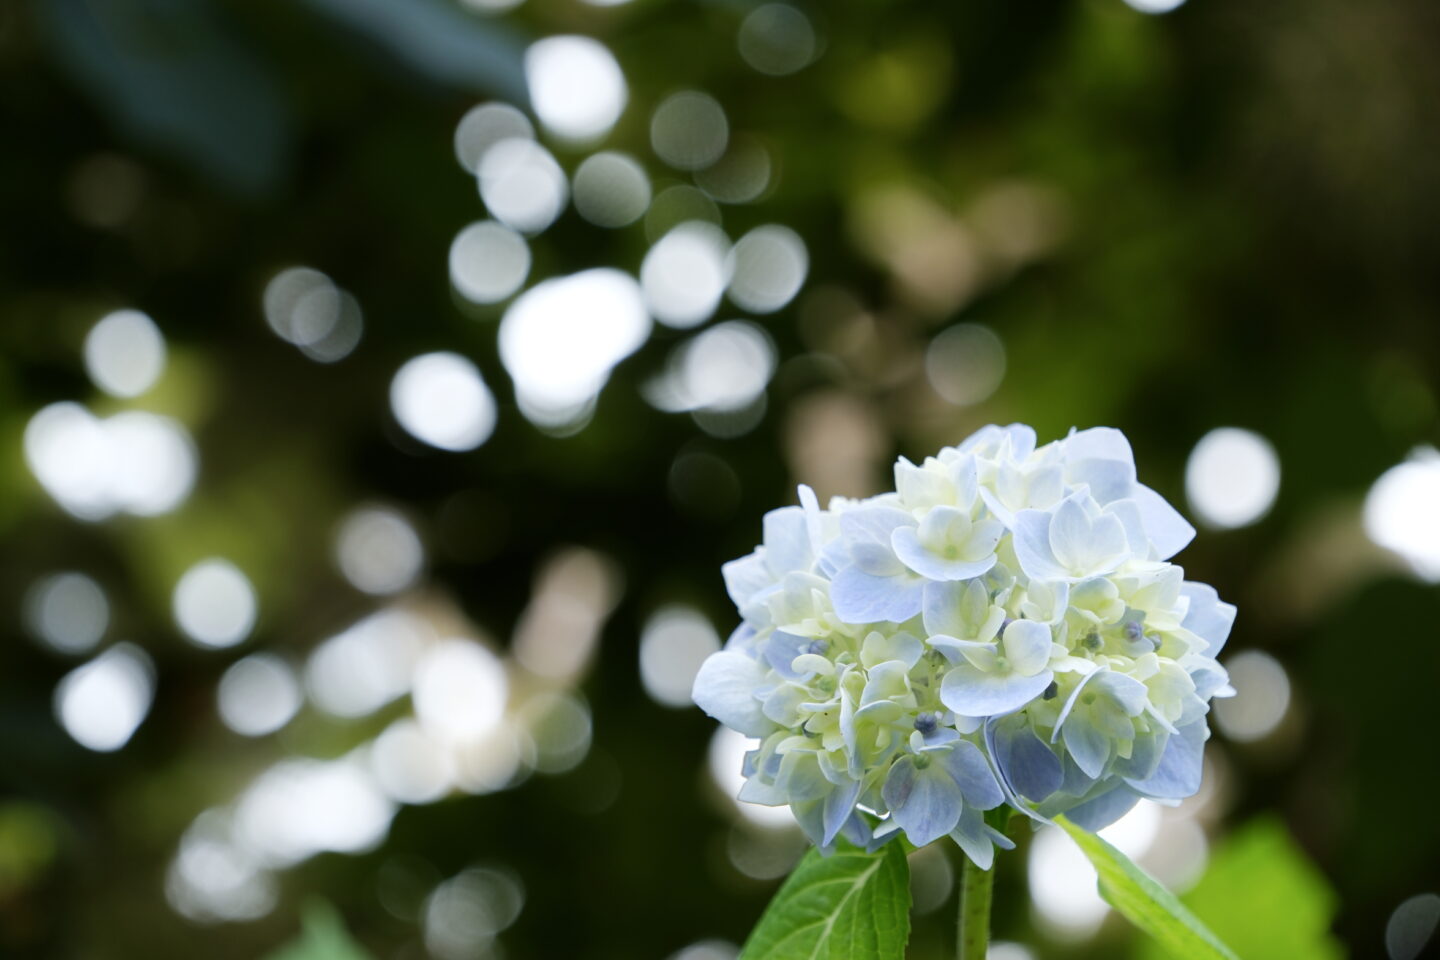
{"points": [[1141, 899], [1265, 897], [436, 39], [172, 77], [324, 938], [851, 905]]}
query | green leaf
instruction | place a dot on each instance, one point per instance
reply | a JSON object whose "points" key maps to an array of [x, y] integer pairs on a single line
{"points": [[851, 905], [324, 938], [1266, 897], [1145, 903]]}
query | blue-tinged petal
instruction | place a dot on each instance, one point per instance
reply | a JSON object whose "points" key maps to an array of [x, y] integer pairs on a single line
{"points": [[926, 803], [997, 507], [1022, 441], [1129, 694], [1101, 442], [1071, 700], [1028, 765], [970, 769], [1099, 812], [983, 656], [813, 525], [978, 839], [906, 544], [872, 524], [783, 702], [1032, 547], [746, 577], [787, 541], [1127, 511], [839, 804], [956, 609], [1144, 759], [976, 693], [1089, 747], [1027, 647], [765, 794], [1168, 531], [879, 647], [1208, 617], [741, 639], [726, 687], [780, 650], [885, 680], [984, 439], [801, 778], [810, 815], [1108, 480], [860, 597], [1211, 680], [1178, 775]]}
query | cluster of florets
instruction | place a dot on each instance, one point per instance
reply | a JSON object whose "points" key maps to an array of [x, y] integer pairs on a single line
{"points": [[1003, 628]]}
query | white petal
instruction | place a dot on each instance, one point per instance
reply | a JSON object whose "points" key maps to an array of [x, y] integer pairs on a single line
{"points": [[725, 688], [1027, 646]]}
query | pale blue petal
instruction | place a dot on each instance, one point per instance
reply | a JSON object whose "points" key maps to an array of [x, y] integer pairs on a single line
{"points": [[838, 806], [1076, 783], [1089, 747], [997, 508], [1027, 646], [986, 436], [780, 650], [969, 768], [801, 778], [1071, 532], [1127, 511], [867, 530], [810, 815], [942, 608], [1144, 759], [741, 639], [905, 541], [811, 505], [1126, 692], [879, 647], [746, 577], [1100, 812], [1107, 479], [1209, 618], [759, 792], [975, 693], [1210, 680], [725, 688], [977, 839], [967, 479], [1027, 764], [1071, 700], [1178, 775], [1168, 531], [926, 803], [782, 703], [1022, 441], [835, 557], [1100, 442], [787, 541], [859, 597], [1032, 547]]}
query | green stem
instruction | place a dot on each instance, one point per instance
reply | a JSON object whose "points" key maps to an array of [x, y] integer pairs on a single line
{"points": [[976, 889]]}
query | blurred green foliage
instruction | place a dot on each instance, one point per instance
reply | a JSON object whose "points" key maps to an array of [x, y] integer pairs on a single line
{"points": [[1263, 897]]}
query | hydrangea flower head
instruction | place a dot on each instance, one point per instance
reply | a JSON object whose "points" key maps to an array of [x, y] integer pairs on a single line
{"points": [[1005, 627]]}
